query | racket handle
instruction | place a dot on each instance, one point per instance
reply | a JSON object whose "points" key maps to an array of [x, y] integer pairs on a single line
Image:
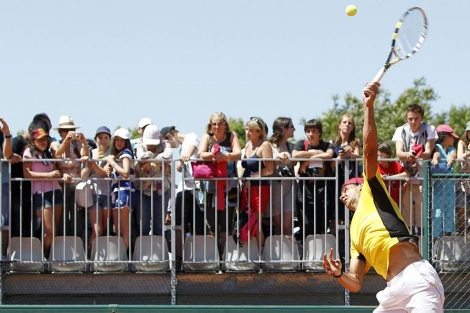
{"points": [[379, 75]]}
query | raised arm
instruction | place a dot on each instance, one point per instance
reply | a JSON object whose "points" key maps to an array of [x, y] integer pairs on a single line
{"points": [[7, 150], [370, 130]]}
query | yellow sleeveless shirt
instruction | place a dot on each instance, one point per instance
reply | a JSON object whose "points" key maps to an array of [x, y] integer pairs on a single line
{"points": [[377, 225]]}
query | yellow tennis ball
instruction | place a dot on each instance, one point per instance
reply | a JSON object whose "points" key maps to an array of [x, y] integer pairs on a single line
{"points": [[351, 10]]}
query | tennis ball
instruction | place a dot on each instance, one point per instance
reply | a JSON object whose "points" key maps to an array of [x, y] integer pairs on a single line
{"points": [[351, 10]]}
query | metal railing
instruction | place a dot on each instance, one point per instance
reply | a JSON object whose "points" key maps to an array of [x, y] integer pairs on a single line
{"points": [[174, 230]]}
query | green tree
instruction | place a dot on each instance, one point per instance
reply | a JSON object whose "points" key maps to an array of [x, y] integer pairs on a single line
{"points": [[456, 117], [389, 114], [238, 126], [135, 132]]}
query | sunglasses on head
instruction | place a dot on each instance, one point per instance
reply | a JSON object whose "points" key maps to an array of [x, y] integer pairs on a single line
{"points": [[255, 119]]}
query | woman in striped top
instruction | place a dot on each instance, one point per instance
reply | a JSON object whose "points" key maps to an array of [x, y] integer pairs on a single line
{"points": [[123, 193]]}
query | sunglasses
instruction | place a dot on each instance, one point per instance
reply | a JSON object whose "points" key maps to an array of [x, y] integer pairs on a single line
{"points": [[255, 119], [217, 123]]}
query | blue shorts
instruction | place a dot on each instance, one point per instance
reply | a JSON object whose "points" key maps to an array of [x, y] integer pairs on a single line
{"points": [[123, 198], [5, 203], [53, 197], [102, 202]]}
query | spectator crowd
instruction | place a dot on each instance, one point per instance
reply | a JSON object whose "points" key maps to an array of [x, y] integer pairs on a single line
{"points": [[291, 186]]}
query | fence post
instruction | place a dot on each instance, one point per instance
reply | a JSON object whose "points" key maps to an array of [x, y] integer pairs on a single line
{"points": [[427, 218]]}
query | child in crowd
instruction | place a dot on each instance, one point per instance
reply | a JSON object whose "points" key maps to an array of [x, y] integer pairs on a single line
{"points": [[47, 193], [391, 169]]}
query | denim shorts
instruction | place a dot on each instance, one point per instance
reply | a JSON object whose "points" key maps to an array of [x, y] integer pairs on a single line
{"points": [[5, 203], [102, 202], [53, 197], [123, 198]]}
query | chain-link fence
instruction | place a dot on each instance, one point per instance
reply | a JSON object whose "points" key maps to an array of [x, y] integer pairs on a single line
{"points": [[448, 194]]}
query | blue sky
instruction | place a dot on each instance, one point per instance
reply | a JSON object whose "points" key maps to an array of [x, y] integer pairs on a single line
{"points": [[113, 62]]}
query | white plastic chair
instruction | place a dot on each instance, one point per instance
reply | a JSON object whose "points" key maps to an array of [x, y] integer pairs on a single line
{"points": [[67, 255], [241, 258], [26, 254], [151, 254], [315, 247], [201, 253], [109, 254], [453, 253], [281, 254]]}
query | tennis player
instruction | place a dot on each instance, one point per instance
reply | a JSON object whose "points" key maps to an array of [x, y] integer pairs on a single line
{"points": [[381, 239]]}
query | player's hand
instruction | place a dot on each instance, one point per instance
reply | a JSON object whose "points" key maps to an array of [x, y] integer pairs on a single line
{"points": [[331, 266], [369, 93]]}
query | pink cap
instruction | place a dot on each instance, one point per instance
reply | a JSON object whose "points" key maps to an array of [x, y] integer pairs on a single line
{"points": [[354, 181], [446, 129]]}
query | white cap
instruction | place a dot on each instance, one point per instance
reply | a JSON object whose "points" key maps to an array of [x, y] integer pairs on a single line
{"points": [[122, 133], [144, 122], [151, 135]]}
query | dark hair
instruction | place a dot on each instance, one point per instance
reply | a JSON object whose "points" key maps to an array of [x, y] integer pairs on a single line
{"points": [[415, 108], [385, 148], [117, 153], [441, 136], [91, 144], [38, 124], [314, 124], [277, 128], [43, 118], [35, 151]]}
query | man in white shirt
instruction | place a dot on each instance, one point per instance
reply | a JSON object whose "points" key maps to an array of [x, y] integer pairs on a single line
{"points": [[414, 140], [187, 208]]}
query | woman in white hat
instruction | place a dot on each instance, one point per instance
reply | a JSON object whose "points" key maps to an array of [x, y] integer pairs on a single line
{"points": [[121, 159]]}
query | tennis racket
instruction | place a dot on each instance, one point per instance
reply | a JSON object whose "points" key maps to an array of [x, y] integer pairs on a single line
{"points": [[408, 37]]}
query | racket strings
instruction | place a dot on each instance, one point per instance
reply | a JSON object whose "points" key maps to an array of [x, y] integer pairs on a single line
{"points": [[410, 35]]}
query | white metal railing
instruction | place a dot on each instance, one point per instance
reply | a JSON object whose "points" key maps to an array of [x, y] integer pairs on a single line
{"points": [[166, 229]]}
